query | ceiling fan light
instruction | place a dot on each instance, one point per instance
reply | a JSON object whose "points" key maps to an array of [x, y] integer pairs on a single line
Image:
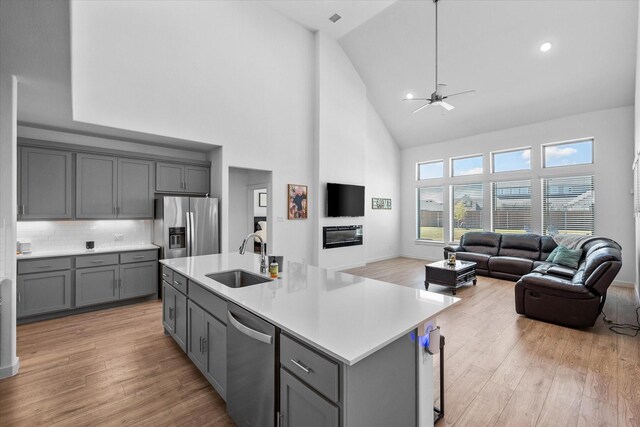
{"points": [[409, 95], [545, 47]]}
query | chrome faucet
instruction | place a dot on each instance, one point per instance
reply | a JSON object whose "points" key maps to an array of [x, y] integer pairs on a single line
{"points": [[263, 256]]}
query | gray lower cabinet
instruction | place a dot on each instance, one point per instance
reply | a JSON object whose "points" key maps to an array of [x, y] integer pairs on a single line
{"points": [[43, 293], [138, 279], [97, 285], [96, 186], [174, 314], [45, 189], [135, 188], [207, 346], [300, 406]]}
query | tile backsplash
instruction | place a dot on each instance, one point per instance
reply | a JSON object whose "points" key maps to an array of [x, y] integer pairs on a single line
{"points": [[65, 235]]}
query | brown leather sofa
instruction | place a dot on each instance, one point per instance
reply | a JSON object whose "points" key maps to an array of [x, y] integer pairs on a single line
{"points": [[544, 290]]}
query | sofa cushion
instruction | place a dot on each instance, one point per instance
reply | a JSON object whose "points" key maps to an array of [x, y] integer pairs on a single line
{"points": [[480, 259], [512, 265], [568, 257], [547, 245], [481, 242], [555, 286], [520, 246], [557, 270]]}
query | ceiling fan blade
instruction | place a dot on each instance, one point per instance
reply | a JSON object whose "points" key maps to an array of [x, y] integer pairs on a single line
{"points": [[416, 99], [424, 106], [447, 106], [459, 93]]}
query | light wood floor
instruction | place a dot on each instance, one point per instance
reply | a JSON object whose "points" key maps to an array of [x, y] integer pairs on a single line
{"points": [[116, 366]]}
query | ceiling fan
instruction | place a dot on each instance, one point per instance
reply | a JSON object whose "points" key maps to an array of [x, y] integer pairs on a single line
{"points": [[437, 97]]}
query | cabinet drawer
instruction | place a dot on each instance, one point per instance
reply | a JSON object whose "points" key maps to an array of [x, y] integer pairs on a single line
{"points": [[139, 256], [210, 302], [96, 260], [43, 265], [167, 274], [179, 282], [319, 372]]}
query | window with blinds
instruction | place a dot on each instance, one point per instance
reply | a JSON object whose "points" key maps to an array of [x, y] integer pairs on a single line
{"points": [[466, 209], [511, 206], [430, 214], [568, 205]]}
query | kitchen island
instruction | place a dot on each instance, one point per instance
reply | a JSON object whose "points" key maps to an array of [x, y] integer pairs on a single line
{"points": [[341, 346]]}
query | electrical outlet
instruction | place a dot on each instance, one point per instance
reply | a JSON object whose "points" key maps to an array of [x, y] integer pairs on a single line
{"points": [[118, 237]]}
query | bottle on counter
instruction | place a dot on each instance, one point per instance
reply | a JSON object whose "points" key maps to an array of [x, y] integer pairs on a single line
{"points": [[273, 270]]}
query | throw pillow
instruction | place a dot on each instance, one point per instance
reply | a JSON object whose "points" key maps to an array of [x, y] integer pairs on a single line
{"points": [[553, 254], [568, 257]]}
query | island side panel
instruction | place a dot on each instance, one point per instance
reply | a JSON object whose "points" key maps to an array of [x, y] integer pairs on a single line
{"points": [[381, 390]]}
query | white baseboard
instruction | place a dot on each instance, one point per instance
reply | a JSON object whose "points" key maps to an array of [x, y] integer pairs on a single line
{"points": [[11, 370], [384, 258], [621, 284], [345, 267]]}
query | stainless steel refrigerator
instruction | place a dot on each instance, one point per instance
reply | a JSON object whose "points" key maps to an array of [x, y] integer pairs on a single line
{"points": [[186, 226]]}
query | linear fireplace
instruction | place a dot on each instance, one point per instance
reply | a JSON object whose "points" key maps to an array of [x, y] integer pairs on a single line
{"points": [[340, 236]]}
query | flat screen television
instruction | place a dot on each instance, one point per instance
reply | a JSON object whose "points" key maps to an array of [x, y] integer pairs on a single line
{"points": [[345, 200]]}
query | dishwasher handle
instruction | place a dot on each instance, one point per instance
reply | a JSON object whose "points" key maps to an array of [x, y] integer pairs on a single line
{"points": [[267, 339]]}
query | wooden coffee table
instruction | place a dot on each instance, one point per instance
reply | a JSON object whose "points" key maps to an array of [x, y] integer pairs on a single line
{"points": [[453, 276]]}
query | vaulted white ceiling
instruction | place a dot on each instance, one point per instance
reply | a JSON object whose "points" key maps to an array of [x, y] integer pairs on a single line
{"points": [[493, 47]]}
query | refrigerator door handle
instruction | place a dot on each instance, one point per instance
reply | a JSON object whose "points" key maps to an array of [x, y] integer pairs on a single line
{"points": [[188, 233], [193, 233]]}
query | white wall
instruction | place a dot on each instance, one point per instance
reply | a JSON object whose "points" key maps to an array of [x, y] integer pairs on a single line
{"points": [[637, 150], [613, 150], [238, 207], [235, 74]]}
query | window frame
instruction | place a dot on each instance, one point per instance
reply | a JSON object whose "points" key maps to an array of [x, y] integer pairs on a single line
{"points": [[510, 150], [452, 159], [543, 148], [426, 163], [418, 238]]}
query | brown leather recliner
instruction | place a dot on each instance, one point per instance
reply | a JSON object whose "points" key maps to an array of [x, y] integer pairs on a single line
{"points": [[544, 290]]}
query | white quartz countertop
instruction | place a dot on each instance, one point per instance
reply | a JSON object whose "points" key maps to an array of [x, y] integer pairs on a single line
{"points": [[345, 316], [75, 252]]}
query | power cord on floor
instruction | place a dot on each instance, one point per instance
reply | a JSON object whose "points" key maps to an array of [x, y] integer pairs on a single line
{"points": [[618, 328]]}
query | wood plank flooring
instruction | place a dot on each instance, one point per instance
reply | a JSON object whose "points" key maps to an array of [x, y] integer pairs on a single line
{"points": [[116, 367]]}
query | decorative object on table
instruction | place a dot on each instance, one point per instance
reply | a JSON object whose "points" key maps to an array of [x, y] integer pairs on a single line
{"points": [[262, 200], [90, 245], [377, 203], [297, 201], [452, 258], [25, 248]]}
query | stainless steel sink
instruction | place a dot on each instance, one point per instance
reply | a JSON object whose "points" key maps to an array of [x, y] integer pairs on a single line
{"points": [[238, 278]]}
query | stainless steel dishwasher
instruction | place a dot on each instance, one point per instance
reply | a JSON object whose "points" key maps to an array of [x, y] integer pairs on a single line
{"points": [[251, 368]]}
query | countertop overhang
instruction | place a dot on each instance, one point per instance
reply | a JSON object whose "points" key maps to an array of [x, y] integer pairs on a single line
{"points": [[348, 317]]}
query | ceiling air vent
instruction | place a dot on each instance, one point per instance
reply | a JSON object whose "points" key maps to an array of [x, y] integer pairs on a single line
{"points": [[335, 18]]}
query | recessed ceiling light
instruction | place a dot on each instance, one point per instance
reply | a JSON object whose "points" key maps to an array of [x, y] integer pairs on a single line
{"points": [[335, 18], [545, 47], [409, 96]]}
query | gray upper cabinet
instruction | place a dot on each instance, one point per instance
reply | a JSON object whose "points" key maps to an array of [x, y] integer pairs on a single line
{"points": [[169, 177], [196, 179], [96, 285], [45, 184], [138, 279], [135, 188], [96, 186], [176, 178], [300, 406], [43, 293]]}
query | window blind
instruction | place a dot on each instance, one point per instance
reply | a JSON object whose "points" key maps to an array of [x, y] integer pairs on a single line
{"points": [[430, 214], [568, 205], [467, 201], [511, 206]]}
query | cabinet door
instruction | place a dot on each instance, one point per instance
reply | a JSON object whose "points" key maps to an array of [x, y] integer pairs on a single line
{"points": [[196, 335], [43, 293], [216, 354], [96, 186], [180, 313], [302, 407], [196, 179], [169, 308], [96, 285], [138, 280], [135, 188], [46, 190], [169, 177]]}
